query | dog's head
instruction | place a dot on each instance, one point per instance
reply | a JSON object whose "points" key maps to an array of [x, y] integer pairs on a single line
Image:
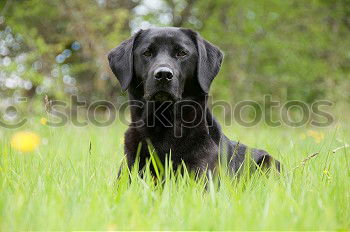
{"points": [[167, 63]]}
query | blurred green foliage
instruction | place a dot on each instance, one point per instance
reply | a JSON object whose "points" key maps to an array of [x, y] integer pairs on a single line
{"points": [[289, 49]]}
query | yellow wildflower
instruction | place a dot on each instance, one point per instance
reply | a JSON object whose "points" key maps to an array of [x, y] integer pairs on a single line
{"points": [[111, 227], [43, 121], [25, 141], [317, 136], [327, 174]]}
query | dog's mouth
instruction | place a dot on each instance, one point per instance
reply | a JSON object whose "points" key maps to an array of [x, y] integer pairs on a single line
{"points": [[162, 96]]}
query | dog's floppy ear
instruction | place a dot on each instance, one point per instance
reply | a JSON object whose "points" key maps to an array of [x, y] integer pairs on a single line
{"points": [[209, 60], [121, 61]]}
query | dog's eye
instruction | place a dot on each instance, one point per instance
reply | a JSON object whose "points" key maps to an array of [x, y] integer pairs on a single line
{"points": [[147, 53], [181, 53]]}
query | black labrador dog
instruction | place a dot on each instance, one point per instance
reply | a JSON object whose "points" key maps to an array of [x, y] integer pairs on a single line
{"points": [[168, 72]]}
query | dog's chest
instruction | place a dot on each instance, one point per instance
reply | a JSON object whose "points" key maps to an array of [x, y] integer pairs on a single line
{"points": [[185, 147]]}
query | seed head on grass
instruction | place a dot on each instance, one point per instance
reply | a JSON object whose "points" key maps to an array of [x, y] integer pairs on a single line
{"points": [[303, 162], [25, 141]]}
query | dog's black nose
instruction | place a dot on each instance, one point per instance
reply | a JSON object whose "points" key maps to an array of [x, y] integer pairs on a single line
{"points": [[163, 73]]}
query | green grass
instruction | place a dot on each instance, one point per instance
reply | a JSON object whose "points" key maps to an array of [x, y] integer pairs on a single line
{"points": [[65, 185]]}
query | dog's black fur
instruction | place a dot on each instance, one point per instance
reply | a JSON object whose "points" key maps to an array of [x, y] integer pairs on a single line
{"points": [[168, 72]]}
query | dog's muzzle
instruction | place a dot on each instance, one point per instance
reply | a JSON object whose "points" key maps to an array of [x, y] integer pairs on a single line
{"points": [[163, 74]]}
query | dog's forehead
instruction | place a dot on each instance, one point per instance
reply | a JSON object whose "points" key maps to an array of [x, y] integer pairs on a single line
{"points": [[166, 35]]}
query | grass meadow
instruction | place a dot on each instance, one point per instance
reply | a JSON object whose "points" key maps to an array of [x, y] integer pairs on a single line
{"points": [[69, 183]]}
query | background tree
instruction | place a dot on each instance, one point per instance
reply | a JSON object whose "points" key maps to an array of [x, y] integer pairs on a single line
{"points": [[291, 50]]}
